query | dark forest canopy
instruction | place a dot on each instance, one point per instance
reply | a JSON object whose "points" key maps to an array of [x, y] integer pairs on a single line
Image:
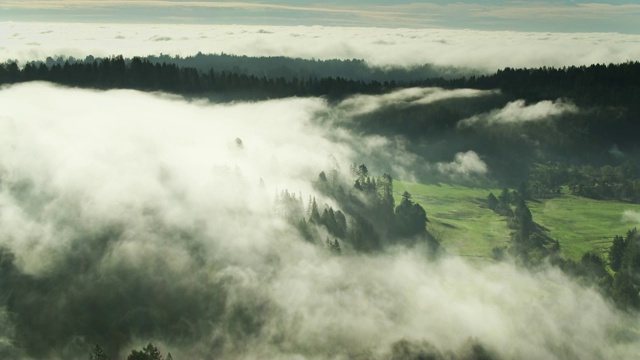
{"points": [[272, 77], [144, 74], [274, 67]]}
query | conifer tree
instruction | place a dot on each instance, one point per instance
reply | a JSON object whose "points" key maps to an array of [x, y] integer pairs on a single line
{"points": [[616, 253], [98, 354], [149, 352], [336, 247], [314, 217], [492, 201]]}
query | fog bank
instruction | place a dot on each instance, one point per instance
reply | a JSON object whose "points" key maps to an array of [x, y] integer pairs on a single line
{"points": [[480, 50], [128, 217]]}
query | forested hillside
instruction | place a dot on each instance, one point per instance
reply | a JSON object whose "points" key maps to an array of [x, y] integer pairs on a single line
{"points": [[613, 84]]}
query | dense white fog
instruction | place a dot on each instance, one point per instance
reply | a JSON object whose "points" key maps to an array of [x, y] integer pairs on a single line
{"points": [[161, 213], [482, 50]]}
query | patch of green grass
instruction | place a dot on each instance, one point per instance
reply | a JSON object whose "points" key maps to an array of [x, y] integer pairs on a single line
{"points": [[582, 224], [458, 217]]}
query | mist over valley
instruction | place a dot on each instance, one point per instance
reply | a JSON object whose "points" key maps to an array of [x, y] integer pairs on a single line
{"points": [[156, 209]]}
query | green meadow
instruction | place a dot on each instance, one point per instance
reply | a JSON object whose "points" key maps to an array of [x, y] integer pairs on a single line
{"points": [[582, 224], [459, 218]]}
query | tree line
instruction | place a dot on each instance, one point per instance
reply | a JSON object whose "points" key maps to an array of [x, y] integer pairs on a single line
{"points": [[608, 182], [148, 352], [143, 74], [596, 84], [271, 77], [368, 219]]}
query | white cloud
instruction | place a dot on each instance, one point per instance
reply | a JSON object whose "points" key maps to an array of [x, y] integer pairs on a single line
{"points": [[616, 152], [119, 150], [485, 50], [365, 104], [518, 111], [386, 154], [465, 164]]}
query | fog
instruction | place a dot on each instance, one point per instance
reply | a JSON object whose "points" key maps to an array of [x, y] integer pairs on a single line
{"points": [[473, 49], [135, 217], [631, 216], [518, 111], [365, 104], [465, 164]]}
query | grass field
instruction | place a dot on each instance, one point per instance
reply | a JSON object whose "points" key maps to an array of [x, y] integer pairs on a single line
{"points": [[582, 224], [458, 217], [466, 227]]}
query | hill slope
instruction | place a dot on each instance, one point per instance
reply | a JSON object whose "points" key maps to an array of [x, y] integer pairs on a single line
{"points": [[466, 227]]}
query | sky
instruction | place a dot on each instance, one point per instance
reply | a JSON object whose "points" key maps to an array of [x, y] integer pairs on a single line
{"points": [[540, 16]]}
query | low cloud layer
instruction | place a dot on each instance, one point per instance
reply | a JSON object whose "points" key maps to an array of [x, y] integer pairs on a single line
{"points": [[482, 50], [517, 112], [365, 104], [465, 165], [137, 217]]}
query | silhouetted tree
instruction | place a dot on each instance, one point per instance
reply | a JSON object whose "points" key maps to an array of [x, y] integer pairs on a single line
{"points": [[341, 222], [505, 198], [363, 236], [303, 229], [616, 252], [411, 218], [98, 354], [504, 201], [407, 350], [149, 352], [492, 201], [624, 292], [592, 267], [524, 221], [314, 213], [362, 172], [523, 191], [328, 219], [334, 246], [385, 213]]}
